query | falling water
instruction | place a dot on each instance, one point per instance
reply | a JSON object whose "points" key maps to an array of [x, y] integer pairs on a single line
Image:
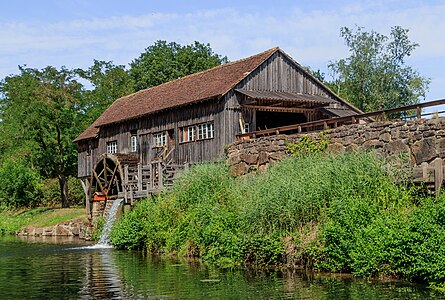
{"points": [[104, 240]]}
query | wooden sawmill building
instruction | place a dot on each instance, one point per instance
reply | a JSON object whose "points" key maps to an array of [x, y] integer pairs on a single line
{"points": [[189, 120]]}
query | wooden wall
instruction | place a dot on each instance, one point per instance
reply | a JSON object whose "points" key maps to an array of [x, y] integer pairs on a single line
{"points": [[87, 154]]}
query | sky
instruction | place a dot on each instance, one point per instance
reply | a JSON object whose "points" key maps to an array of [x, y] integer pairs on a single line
{"points": [[73, 33]]}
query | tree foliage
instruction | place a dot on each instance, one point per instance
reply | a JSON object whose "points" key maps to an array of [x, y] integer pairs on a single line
{"points": [[42, 108], [21, 185], [375, 76], [109, 82], [163, 62]]}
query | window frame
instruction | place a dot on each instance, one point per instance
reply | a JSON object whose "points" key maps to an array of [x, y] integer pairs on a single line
{"points": [[112, 147], [246, 128], [160, 139], [134, 143], [197, 132]]}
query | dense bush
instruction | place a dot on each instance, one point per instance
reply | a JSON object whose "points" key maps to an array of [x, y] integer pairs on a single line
{"points": [[51, 192], [21, 186], [341, 213]]}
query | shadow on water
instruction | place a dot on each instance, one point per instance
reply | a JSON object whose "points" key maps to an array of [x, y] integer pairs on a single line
{"points": [[69, 269]]}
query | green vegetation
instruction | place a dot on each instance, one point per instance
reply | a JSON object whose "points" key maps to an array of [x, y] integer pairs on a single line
{"points": [[341, 213], [308, 144], [375, 75], [163, 62], [12, 221]]}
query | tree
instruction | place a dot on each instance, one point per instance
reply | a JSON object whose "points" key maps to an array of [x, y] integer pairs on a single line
{"points": [[109, 82], [163, 62], [375, 76], [43, 109]]}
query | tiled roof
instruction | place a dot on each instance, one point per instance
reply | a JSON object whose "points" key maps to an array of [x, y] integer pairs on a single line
{"points": [[193, 88]]}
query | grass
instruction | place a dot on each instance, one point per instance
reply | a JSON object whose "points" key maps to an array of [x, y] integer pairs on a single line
{"points": [[12, 221]]}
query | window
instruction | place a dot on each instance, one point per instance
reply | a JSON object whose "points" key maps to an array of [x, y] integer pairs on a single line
{"points": [[134, 143], [191, 134], [112, 147], [89, 149], [246, 128], [197, 132], [160, 139], [205, 131]]}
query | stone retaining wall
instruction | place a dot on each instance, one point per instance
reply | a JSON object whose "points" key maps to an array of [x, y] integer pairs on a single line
{"points": [[80, 229], [423, 140]]}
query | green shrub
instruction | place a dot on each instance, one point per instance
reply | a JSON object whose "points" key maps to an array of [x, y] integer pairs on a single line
{"points": [[20, 185], [76, 195], [307, 144], [98, 226], [50, 192]]}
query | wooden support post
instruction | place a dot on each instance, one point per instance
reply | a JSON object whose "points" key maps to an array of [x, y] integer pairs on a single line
{"points": [[424, 167], [419, 112], [131, 194], [139, 177], [125, 183], [160, 176], [335, 124], [150, 177], [299, 129], [353, 120], [325, 125], [86, 189], [438, 175], [277, 132]]}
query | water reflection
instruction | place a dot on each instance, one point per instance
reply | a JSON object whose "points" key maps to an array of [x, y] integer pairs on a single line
{"points": [[102, 279], [66, 269]]}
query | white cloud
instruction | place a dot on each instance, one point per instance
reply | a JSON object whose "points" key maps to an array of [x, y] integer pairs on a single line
{"points": [[311, 37]]}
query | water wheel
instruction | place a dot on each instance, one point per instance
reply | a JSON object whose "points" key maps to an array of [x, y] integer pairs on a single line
{"points": [[107, 178]]}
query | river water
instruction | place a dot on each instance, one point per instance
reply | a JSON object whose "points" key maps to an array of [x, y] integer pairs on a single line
{"points": [[37, 268]]}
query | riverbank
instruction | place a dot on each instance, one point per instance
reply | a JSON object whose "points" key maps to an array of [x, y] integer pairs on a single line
{"points": [[351, 213], [43, 221]]}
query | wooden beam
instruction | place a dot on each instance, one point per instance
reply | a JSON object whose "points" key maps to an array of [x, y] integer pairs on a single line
{"points": [[278, 109], [98, 181]]}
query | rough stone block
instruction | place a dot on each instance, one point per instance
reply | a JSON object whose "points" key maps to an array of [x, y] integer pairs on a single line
{"points": [[371, 135], [249, 158], [277, 155], [424, 150], [336, 148], [352, 148], [263, 158], [239, 169], [428, 133], [233, 159], [372, 144], [385, 137], [61, 230], [396, 147]]}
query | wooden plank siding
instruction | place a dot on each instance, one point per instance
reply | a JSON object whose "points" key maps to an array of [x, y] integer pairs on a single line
{"points": [[277, 73]]}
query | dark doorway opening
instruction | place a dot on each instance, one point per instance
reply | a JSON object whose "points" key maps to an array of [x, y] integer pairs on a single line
{"points": [[267, 120]]}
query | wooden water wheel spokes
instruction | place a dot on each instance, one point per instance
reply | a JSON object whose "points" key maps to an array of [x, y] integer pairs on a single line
{"points": [[107, 175]]}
